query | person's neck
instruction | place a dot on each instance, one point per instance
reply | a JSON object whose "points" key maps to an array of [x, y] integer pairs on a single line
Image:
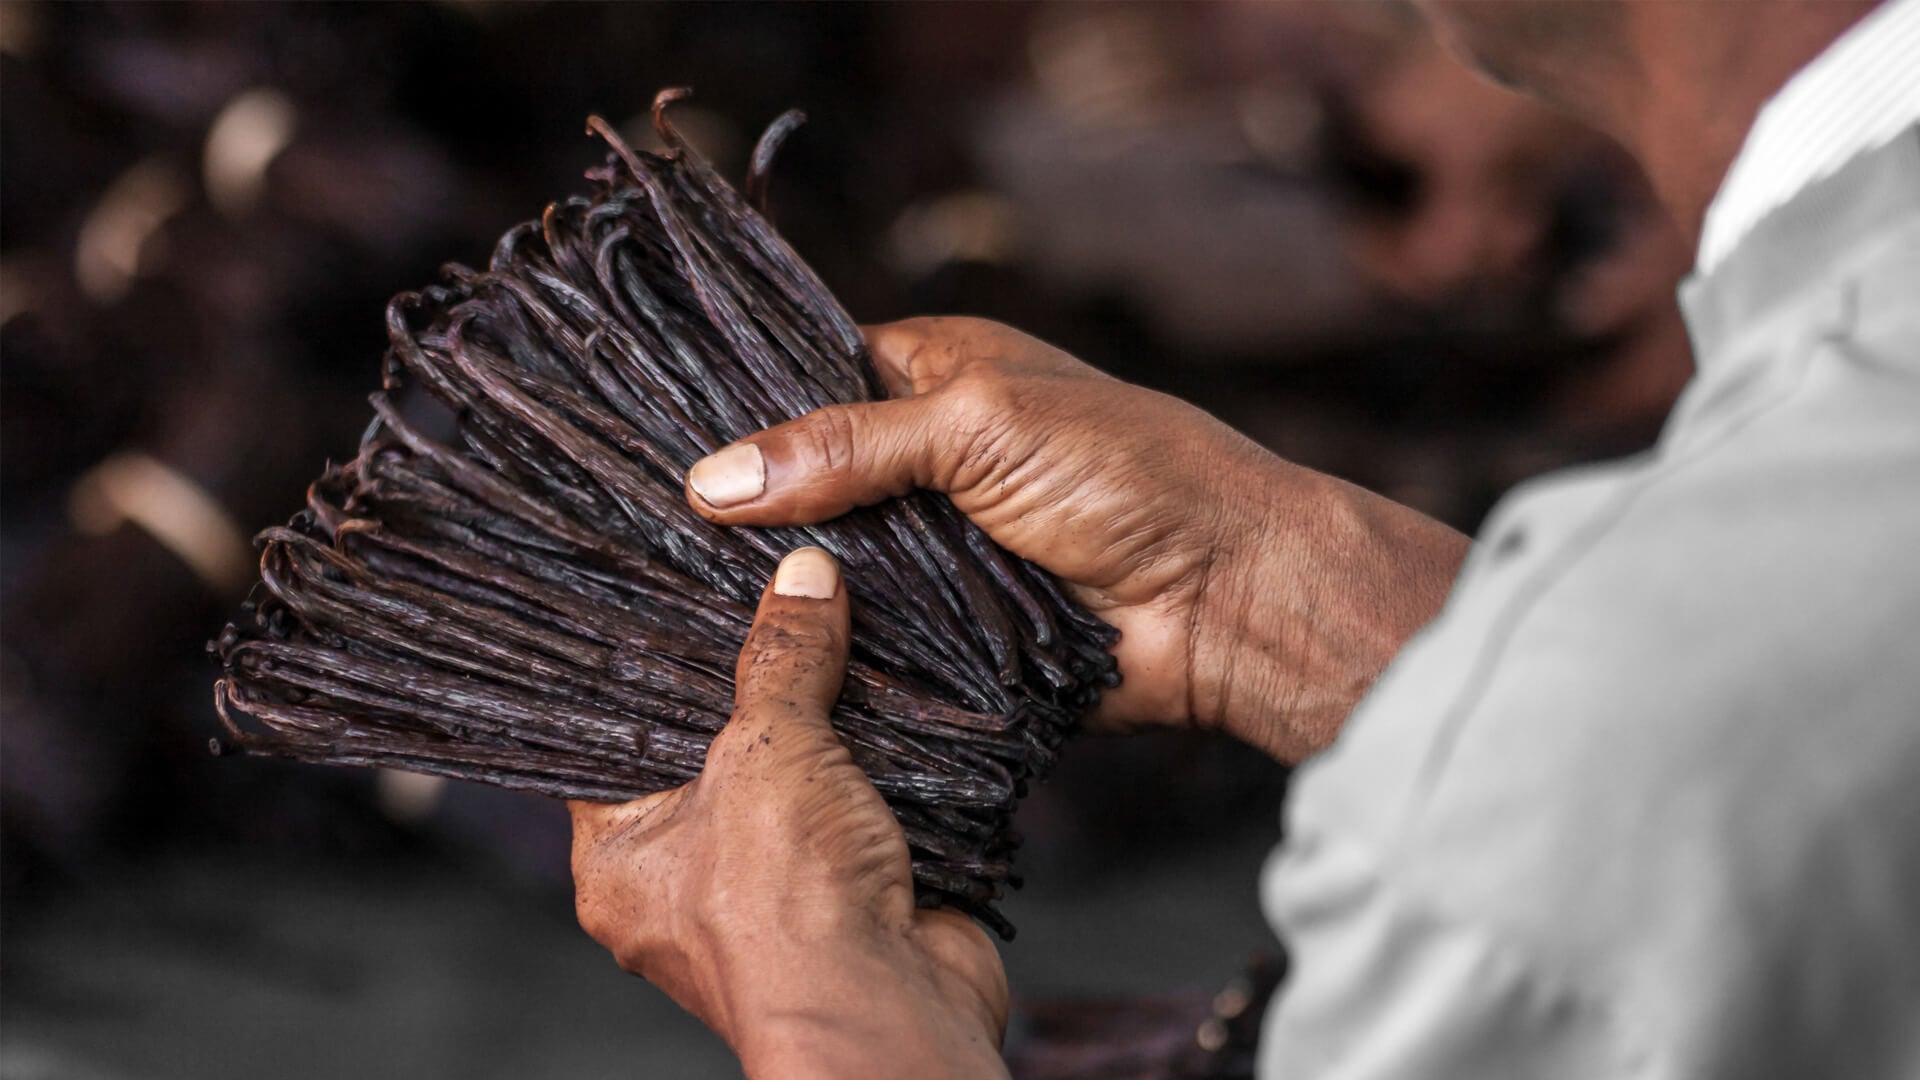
{"points": [[1699, 74]]}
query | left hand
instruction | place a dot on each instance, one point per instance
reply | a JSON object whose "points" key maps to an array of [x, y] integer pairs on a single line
{"points": [[772, 897], [1252, 596]]}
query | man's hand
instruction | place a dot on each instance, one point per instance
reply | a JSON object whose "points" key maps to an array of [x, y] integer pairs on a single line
{"points": [[772, 896], [1252, 595]]}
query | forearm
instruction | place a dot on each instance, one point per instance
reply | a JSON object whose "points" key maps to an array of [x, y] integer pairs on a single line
{"points": [[1302, 615], [921, 1000], [829, 1047], [881, 1025]]}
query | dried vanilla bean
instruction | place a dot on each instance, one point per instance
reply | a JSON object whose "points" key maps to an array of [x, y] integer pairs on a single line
{"points": [[534, 604]]}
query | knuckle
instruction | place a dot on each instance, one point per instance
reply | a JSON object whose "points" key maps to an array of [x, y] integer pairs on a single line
{"points": [[828, 440], [975, 415], [985, 403], [789, 643], [754, 716], [783, 803], [984, 383], [929, 350]]}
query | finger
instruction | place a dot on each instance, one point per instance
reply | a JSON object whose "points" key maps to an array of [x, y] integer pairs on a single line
{"points": [[794, 660], [914, 356], [830, 461], [918, 356]]}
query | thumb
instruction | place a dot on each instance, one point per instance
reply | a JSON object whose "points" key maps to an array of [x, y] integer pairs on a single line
{"points": [[793, 663], [827, 462]]}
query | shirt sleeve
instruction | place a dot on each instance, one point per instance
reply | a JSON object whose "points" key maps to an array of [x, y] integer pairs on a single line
{"points": [[1383, 989], [1643, 800]]}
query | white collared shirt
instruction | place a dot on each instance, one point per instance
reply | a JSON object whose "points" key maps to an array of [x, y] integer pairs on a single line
{"points": [[1855, 96], [1641, 802]]}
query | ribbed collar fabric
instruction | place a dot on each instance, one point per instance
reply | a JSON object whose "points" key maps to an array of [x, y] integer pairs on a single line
{"points": [[1856, 96]]}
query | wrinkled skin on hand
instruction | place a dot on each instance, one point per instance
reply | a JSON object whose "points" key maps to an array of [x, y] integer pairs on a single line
{"points": [[1252, 595], [772, 897]]}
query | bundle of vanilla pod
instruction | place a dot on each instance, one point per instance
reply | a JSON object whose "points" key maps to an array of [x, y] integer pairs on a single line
{"points": [[532, 603]]}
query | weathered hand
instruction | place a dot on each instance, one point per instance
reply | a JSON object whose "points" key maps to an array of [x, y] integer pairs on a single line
{"points": [[1252, 595], [772, 896]]}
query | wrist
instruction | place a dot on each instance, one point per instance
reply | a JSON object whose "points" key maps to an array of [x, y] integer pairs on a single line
{"points": [[867, 1006], [799, 1046], [1314, 591], [880, 1024]]}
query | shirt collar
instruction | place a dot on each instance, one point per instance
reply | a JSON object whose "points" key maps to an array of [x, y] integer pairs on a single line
{"points": [[1855, 96]]}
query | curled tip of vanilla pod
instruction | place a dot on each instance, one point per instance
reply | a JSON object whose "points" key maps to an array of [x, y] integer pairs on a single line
{"points": [[662, 124], [530, 602], [760, 167]]}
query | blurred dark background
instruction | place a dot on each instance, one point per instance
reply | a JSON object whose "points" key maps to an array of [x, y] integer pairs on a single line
{"points": [[1303, 217]]}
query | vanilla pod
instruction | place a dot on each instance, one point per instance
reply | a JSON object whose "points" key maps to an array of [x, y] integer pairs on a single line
{"points": [[533, 604]]}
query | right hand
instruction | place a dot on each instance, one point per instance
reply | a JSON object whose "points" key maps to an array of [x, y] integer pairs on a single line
{"points": [[1251, 595]]}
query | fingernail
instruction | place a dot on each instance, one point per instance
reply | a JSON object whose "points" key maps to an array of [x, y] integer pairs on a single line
{"points": [[731, 476], [808, 572]]}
